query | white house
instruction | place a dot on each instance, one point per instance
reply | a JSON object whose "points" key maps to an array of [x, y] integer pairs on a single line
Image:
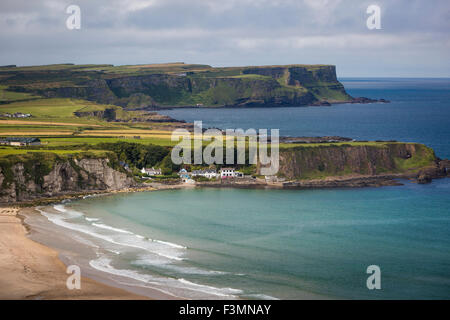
{"points": [[19, 142], [209, 173], [151, 171], [230, 173]]}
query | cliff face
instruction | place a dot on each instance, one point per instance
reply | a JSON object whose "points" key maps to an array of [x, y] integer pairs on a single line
{"points": [[30, 179], [205, 86], [108, 114], [341, 160]]}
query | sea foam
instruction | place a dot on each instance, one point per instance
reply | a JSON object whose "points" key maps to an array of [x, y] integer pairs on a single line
{"points": [[114, 235], [172, 285]]}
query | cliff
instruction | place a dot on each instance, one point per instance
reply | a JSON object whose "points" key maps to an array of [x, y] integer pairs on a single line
{"points": [[40, 175], [173, 85], [408, 160]]}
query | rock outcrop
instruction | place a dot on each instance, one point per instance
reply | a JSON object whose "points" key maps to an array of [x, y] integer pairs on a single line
{"points": [[31, 179], [108, 114], [407, 160]]}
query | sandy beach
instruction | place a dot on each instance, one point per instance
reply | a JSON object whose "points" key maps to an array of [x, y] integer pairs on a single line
{"points": [[30, 270], [35, 252]]}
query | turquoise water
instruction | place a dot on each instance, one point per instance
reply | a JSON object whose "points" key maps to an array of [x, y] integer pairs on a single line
{"points": [[290, 244], [285, 243]]}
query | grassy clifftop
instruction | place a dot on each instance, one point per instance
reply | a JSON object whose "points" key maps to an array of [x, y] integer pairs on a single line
{"points": [[175, 84]]}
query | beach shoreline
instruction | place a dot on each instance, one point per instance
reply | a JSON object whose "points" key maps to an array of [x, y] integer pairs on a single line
{"points": [[68, 251], [39, 252], [31, 270]]}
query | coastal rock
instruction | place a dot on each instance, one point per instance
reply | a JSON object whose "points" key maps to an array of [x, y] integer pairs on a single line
{"points": [[320, 104], [325, 139], [106, 177], [441, 169], [423, 178], [368, 100], [306, 163], [444, 166], [25, 182]]}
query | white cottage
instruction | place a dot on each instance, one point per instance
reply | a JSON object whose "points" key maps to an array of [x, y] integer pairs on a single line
{"points": [[151, 171], [227, 173], [208, 173]]}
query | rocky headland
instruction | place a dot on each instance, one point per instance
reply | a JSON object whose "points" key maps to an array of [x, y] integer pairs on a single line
{"points": [[33, 177]]}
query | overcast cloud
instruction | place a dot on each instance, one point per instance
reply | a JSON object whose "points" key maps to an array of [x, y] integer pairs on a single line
{"points": [[414, 39]]}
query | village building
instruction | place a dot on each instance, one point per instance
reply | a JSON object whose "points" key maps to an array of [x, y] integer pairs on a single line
{"points": [[15, 115], [20, 141], [230, 173], [184, 174], [21, 115], [151, 171], [208, 173]]}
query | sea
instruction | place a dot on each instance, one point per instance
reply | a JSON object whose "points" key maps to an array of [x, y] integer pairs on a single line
{"points": [[288, 244]]}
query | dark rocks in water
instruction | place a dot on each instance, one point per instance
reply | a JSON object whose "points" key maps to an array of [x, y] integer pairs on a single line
{"points": [[320, 104], [444, 165], [326, 139], [441, 169], [424, 178], [323, 103], [368, 100], [346, 182]]}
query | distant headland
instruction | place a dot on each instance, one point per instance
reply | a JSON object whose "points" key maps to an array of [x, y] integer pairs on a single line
{"points": [[182, 85]]}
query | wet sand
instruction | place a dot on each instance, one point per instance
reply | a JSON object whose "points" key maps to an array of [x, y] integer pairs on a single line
{"points": [[74, 250], [29, 270]]}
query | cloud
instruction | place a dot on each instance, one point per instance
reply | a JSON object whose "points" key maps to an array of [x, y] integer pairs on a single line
{"points": [[228, 32]]}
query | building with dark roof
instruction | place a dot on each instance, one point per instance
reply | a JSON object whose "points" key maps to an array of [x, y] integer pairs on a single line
{"points": [[20, 141]]}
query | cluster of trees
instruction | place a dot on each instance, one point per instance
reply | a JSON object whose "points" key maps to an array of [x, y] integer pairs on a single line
{"points": [[139, 155]]}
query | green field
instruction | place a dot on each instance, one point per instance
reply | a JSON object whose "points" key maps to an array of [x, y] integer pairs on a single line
{"points": [[10, 96], [4, 151], [47, 109]]}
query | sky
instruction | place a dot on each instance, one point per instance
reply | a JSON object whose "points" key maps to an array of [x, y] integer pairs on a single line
{"points": [[414, 39]]}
